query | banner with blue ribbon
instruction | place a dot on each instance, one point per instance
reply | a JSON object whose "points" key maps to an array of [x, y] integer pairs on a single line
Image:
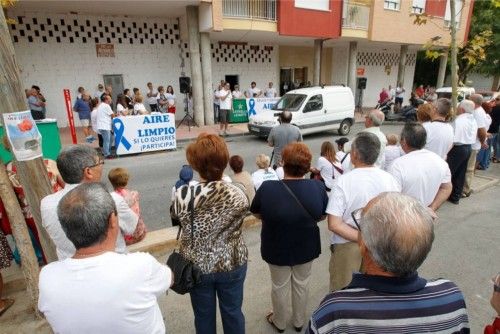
{"points": [[119, 129], [251, 107]]}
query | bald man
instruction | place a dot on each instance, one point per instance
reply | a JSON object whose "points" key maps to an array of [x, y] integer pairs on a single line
{"points": [[373, 121]]}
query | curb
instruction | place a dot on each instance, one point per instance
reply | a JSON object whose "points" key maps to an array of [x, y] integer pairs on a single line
{"points": [[491, 182], [234, 135]]}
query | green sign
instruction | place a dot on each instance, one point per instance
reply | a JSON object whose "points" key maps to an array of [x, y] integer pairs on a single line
{"points": [[239, 114]]}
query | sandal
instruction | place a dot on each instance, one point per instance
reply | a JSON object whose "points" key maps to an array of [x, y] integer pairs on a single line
{"points": [[8, 304], [270, 321]]}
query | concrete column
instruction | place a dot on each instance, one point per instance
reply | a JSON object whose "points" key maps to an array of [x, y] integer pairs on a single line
{"points": [[318, 50], [402, 65], [443, 60], [206, 69], [194, 58], [351, 71]]}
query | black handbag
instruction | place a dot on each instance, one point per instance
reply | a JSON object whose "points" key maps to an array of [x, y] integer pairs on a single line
{"points": [[186, 274]]}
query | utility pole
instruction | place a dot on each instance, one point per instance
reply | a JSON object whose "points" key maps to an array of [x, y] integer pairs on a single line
{"points": [[454, 65], [32, 174]]}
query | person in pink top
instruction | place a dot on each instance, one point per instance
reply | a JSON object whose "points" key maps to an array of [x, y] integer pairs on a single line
{"points": [[119, 180]]}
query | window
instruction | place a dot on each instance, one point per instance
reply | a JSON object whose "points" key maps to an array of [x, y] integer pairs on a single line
{"points": [[313, 4], [418, 6], [291, 102], [459, 4], [392, 4], [315, 103]]}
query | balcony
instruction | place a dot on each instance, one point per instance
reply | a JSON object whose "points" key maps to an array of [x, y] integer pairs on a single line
{"points": [[250, 9], [355, 16]]}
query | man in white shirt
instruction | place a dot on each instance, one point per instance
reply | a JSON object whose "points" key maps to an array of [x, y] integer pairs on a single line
{"points": [[352, 192], [104, 121], [100, 90], [480, 116], [226, 104], [465, 132], [421, 174], [98, 290], [237, 94], [439, 132], [151, 100], [81, 164], [373, 121], [400, 94], [253, 91], [270, 91]]}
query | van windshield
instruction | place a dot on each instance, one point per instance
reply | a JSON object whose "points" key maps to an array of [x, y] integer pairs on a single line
{"points": [[291, 102]]}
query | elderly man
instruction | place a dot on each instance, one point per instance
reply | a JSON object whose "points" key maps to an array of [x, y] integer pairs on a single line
{"points": [[81, 164], [351, 192], [282, 135], [270, 91], [389, 297], [36, 105], [481, 121], [373, 121], [439, 132], [421, 174], [82, 107], [98, 290], [464, 136], [104, 123]]}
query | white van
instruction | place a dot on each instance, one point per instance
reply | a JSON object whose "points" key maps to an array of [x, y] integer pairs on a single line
{"points": [[314, 109], [463, 92]]}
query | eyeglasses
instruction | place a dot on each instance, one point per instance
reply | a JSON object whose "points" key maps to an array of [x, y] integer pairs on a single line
{"points": [[356, 217], [100, 162]]}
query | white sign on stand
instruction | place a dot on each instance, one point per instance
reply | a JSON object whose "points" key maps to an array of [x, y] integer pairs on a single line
{"points": [[257, 105], [145, 133], [24, 138]]}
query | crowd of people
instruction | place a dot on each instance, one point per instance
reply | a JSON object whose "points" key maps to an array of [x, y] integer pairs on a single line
{"points": [[380, 194]]}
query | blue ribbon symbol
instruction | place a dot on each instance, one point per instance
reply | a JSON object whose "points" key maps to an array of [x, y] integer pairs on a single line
{"points": [[251, 104], [119, 138]]}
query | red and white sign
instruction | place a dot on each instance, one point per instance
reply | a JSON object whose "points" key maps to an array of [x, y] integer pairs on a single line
{"points": [[69, 110]]}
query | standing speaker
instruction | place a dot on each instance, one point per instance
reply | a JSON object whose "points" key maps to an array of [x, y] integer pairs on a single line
{"points": [[184, 84], [361, 83]]}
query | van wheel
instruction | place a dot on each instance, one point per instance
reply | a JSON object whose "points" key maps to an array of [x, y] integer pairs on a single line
{"points": [[345, 127]]}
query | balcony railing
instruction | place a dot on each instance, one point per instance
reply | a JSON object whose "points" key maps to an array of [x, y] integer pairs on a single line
{"points": [[252, 9], [355, 16]]}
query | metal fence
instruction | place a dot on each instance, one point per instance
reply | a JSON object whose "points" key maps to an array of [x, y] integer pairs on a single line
{"points": [[355, 16], [255, 9]]}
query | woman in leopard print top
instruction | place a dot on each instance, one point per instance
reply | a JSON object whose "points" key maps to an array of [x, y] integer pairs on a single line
{"points": [[217, 246]]}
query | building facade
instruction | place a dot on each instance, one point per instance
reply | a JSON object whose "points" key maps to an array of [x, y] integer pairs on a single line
{"points": [[65, 44]]}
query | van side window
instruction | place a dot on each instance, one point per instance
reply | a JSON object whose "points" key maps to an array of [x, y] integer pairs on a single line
{"points": [[315, 103]]}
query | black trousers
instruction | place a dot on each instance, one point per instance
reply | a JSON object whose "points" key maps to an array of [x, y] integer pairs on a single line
{"points": [[457, 161]]}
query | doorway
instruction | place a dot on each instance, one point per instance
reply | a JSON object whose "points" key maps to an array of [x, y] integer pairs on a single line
{"points": [[233, 80], [116, 82]]}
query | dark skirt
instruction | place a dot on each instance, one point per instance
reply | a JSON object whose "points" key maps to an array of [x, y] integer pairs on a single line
{"points": [[5, 252]]}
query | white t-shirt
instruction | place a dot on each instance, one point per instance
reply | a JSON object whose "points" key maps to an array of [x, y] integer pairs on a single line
{"points": [[439, 137], [253, 91], [354, 190], [226, 103], [262, 175], [392, 152], [170, 99], [329, 173], [383, 142], [93, 119], [152, 98], [280, 172], [127, 220], [481, 121], [98, 94], [420, 174], [465, 129], [120, 109], [104, 113], [400, 92], [345, 160], [108, 293], [237, 94], [270, 92], [140, 109]]}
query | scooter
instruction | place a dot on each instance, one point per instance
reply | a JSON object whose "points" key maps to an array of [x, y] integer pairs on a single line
{"points": [[385, 107], [407, 113]]}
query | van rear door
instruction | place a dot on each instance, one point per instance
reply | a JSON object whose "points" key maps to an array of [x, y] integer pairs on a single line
{"points": [[340, 105]]}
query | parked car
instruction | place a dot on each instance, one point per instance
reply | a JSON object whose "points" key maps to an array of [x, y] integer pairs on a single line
{"points": [[314, 109], [463, 92]]}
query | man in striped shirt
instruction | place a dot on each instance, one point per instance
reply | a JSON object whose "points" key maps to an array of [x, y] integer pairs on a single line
{"points": [[396, 234]]}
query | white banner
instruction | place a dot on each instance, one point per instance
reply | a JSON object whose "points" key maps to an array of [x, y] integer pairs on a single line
{"points": [[145, 133], [24, 138], [257, 105]]}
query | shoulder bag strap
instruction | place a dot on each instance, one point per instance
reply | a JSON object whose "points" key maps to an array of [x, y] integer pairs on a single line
{"points": [[340, 170], [345, 156], [297, 200]]}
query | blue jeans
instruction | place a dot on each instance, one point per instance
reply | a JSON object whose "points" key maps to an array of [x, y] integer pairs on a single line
{"points": [[228, 288], [106, 142], [484, 155]]}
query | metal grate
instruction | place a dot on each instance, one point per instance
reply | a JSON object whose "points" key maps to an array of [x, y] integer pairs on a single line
{"points": [[254, 9]]}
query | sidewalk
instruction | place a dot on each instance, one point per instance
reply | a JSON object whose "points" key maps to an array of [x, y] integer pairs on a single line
{"points": [[184, 133]]}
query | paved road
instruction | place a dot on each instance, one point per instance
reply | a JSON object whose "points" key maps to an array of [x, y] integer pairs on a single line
{"points": [[153, 175]]}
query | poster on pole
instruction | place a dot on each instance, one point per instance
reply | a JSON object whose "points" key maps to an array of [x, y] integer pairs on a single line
{"points": [[145, 133], [24, 138]]}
